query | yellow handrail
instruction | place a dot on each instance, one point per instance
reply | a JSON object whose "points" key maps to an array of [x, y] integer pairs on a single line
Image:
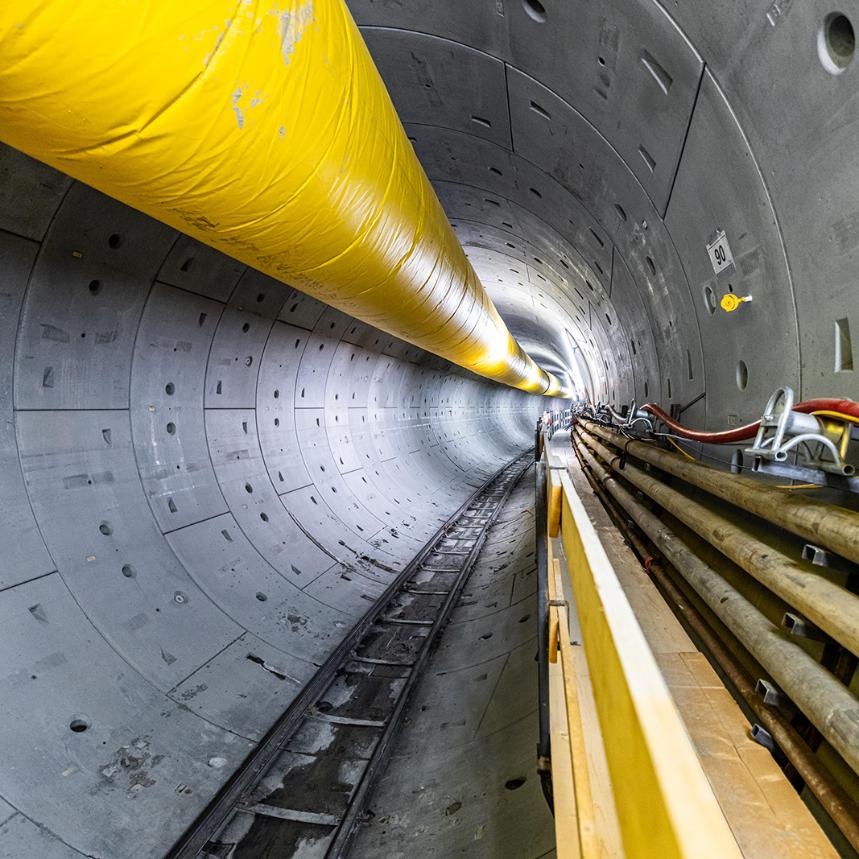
{"points": [[664, 804]]}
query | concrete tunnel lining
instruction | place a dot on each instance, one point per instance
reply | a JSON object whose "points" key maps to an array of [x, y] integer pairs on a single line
{"points": [[201, 478], [200, 463]]}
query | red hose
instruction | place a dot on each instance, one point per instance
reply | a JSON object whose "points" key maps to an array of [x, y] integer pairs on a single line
{"points": [[844, 407]]}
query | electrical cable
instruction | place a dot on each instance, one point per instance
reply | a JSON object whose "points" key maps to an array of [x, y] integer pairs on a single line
{"points": [[847, 410]]}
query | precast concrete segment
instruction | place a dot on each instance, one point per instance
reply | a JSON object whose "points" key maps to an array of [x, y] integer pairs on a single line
{"points": [[207, 479], [304, 170]]}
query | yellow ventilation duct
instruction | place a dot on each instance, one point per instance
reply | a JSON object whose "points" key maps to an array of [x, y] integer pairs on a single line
{"points": [[264, 130]]}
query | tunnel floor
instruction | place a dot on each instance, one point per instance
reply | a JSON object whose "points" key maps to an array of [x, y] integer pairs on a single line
{"points": [[461, 780]]}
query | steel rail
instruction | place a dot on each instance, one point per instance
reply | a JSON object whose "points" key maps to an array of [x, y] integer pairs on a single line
{"points": [[213, 817]]}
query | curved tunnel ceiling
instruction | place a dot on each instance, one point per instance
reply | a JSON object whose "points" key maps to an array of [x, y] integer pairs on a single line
{"points": [[612, 142], [199, 463]]}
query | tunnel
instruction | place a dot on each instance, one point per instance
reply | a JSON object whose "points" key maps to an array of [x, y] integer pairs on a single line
{"points": [[210, 476]]}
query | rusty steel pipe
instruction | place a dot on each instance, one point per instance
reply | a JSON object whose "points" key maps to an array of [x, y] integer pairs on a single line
{"points": [[823, 524], [827, 703], [831, 607], [843, 811]]}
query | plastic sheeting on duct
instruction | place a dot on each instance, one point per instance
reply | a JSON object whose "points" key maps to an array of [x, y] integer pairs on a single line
{"points": [[264, 130]]}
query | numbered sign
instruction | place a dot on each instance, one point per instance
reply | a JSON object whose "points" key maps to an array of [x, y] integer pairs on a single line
{"points": [[720, 252]]}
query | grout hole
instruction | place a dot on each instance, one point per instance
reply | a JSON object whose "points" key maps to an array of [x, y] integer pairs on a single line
{"points": [[836, 43], [79, 724], [535, 10], [709, 300], [742, 375], [843, 346]]}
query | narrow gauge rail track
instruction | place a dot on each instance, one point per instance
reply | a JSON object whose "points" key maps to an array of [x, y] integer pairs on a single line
{"points": [[304, 789]]}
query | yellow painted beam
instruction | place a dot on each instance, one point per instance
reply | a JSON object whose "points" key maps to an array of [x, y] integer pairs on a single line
{"points": [[262, 128], [572, 739], [665, 805]]}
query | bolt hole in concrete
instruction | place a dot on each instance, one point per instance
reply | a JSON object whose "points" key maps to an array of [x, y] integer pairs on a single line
{"points": [[170, 389], [128, 571], [836, 43], [535, 10], [95, 287], [710, 300], [114, 241], [105, 529], [515, 783], [742, 375], [79, 724], [171, 428]]}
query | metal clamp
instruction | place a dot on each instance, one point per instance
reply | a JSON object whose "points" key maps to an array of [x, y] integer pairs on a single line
{"points": [[783, 430]]}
